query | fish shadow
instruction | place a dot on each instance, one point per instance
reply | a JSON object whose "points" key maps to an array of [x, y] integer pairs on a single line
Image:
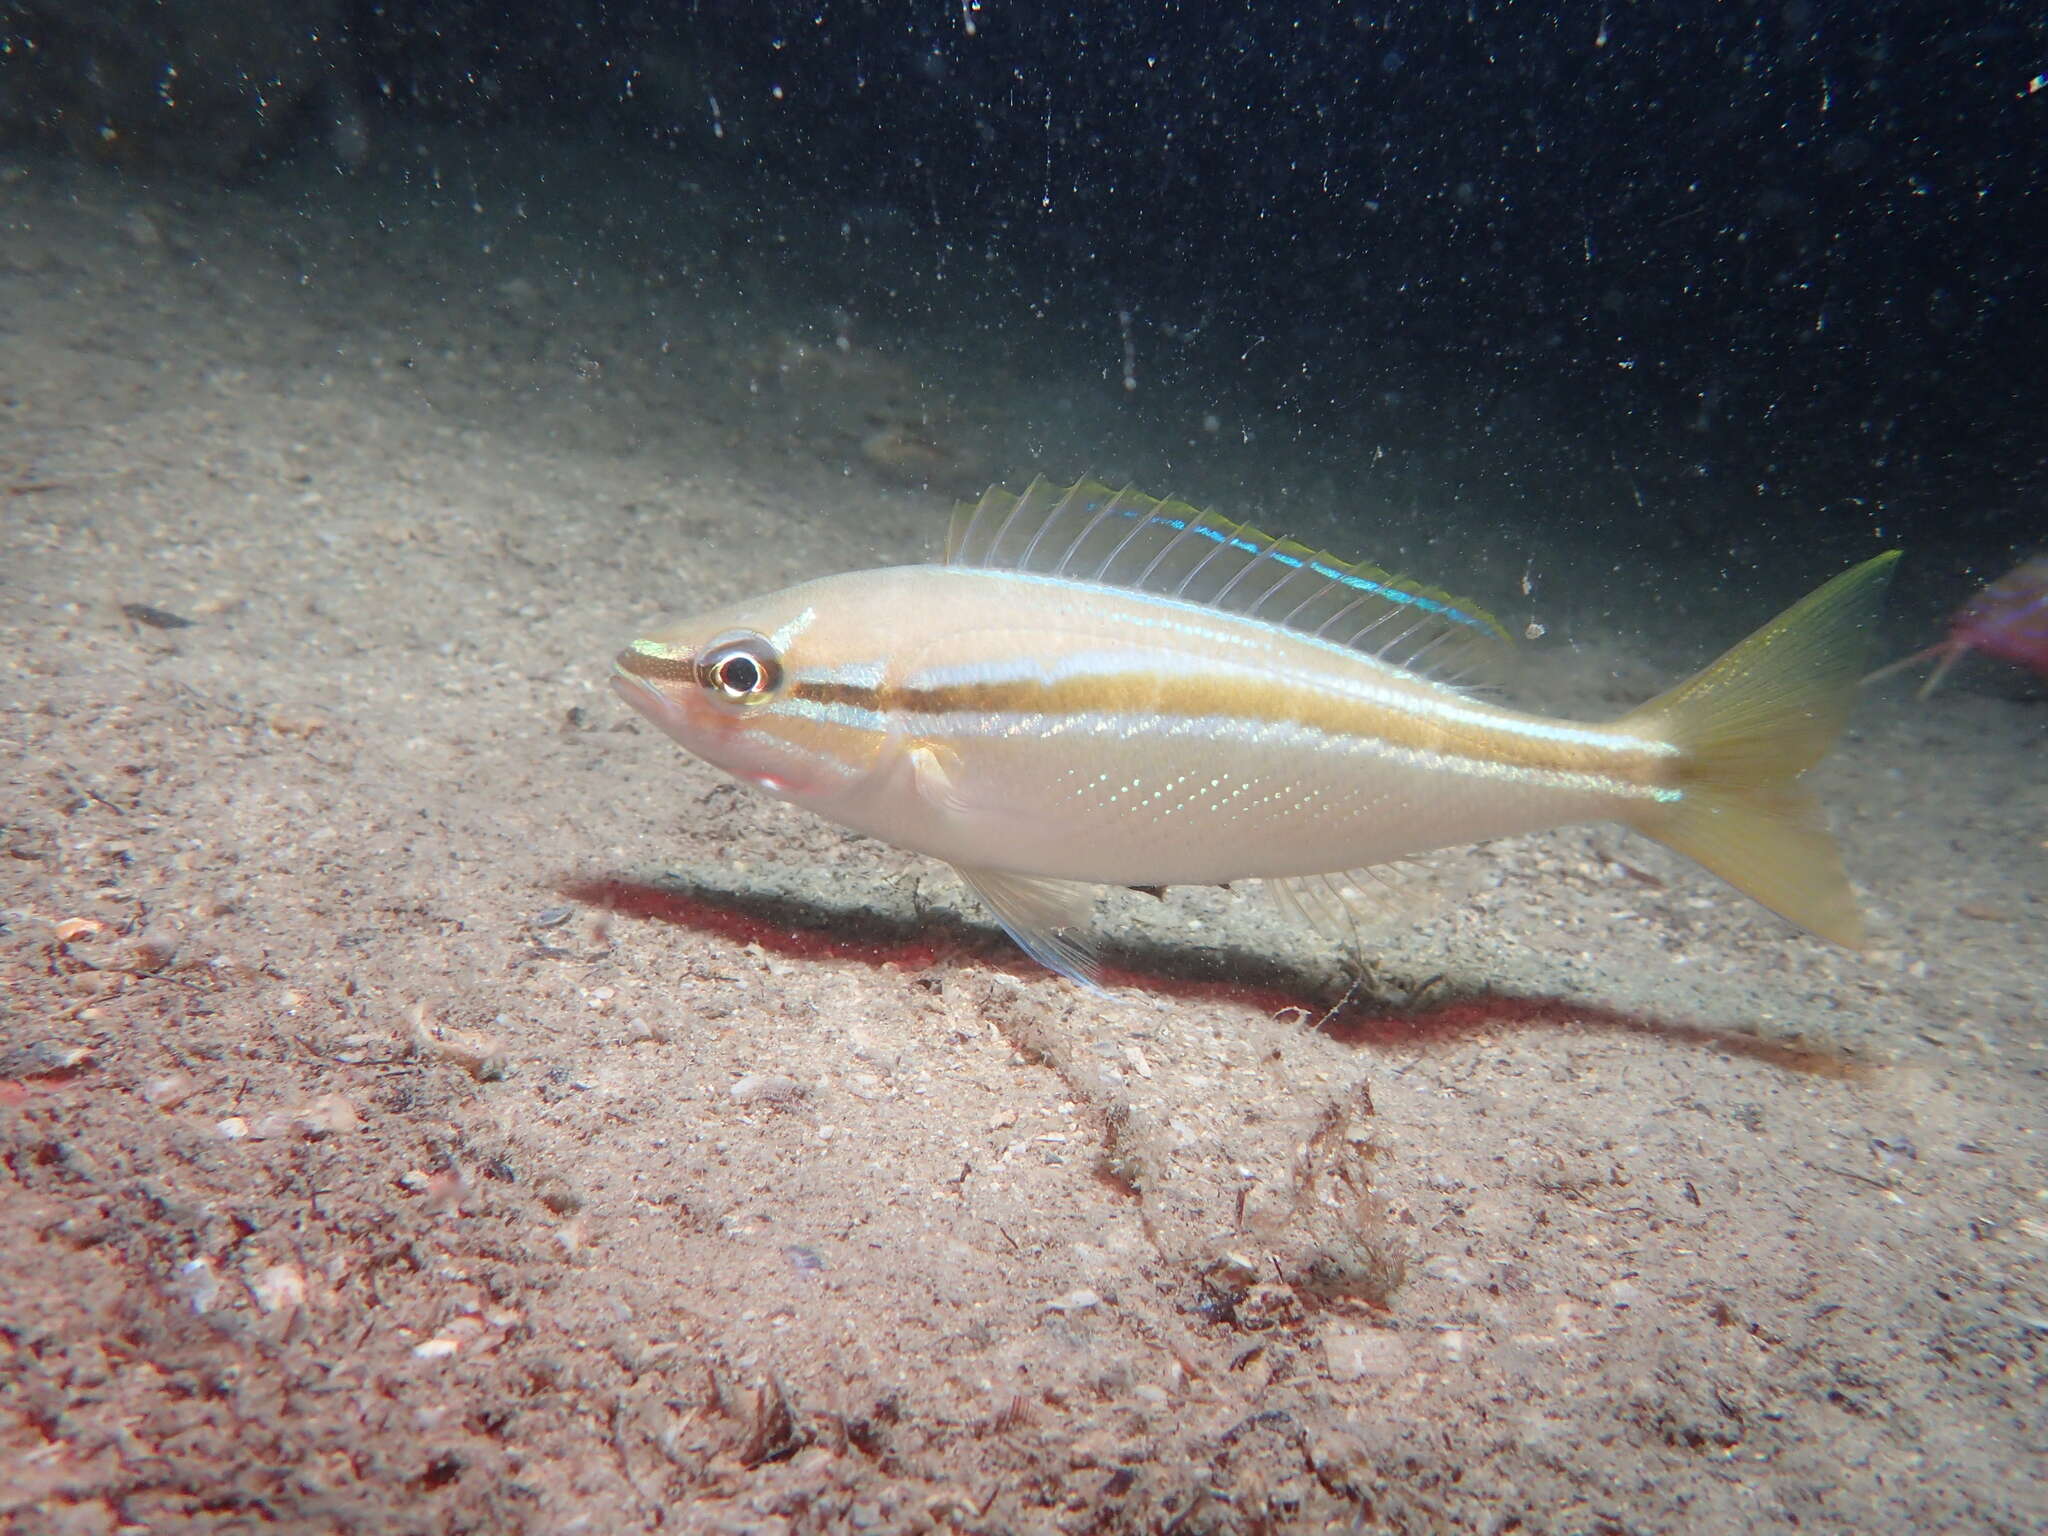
{"points": [[1443, 1011]]}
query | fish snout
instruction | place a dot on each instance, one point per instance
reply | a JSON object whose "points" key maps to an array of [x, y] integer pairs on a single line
{"points": [[654, 662], [658, 683]]}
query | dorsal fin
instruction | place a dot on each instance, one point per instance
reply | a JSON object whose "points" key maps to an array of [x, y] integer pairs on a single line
{"points": [[1089, 532]]}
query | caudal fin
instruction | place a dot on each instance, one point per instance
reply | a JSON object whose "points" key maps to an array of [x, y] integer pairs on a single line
{"points": [[1748, 726]]}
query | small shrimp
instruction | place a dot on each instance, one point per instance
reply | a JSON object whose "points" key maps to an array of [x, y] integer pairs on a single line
{"points": [[2008, 619]]}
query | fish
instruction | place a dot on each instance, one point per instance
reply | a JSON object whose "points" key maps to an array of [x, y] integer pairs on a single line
{"points": [[2008, 619], [1093, 687]]}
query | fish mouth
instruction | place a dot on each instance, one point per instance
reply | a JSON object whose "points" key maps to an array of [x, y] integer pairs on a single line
{"points": [[636, 691], [646, 698]]}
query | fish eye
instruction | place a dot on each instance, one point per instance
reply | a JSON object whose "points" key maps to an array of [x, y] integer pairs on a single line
{"points": [[740, 669]]}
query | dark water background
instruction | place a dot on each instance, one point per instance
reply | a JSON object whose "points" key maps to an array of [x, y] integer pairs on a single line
{"points": [[1784, 258], [1733, 283]]}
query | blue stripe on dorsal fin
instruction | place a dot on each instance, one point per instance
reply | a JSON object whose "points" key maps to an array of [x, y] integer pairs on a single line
{"points": [[1089, 532]]}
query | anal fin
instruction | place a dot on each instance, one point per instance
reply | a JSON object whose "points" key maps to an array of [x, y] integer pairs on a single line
{"points": [[1048, 918], [1333, 905], [1355, 907]]}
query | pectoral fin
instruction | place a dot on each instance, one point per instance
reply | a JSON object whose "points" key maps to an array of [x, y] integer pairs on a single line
{"points": [[1048, 919], [931, 774]]}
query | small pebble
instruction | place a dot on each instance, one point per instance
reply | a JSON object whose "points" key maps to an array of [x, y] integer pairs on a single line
{"points": [[481, 1055], [1986, 912], [155, 618], [765, 1087], [1074, 1301], [43, 1058], [153, 951], [142, 230], [198, 1284], [1375, 1352], [554, 1193], [445, 1192], [279, 1287], [327, 1115], [170, 1090]]}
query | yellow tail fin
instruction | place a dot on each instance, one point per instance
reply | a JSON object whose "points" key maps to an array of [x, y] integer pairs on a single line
{"points": [[1748, 726]]}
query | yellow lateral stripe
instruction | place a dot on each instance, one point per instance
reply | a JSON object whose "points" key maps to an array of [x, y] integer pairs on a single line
{"points": [[1447, 728]]}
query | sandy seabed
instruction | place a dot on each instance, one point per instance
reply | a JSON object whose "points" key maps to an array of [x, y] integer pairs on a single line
{"points": [[430, 1102]]}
